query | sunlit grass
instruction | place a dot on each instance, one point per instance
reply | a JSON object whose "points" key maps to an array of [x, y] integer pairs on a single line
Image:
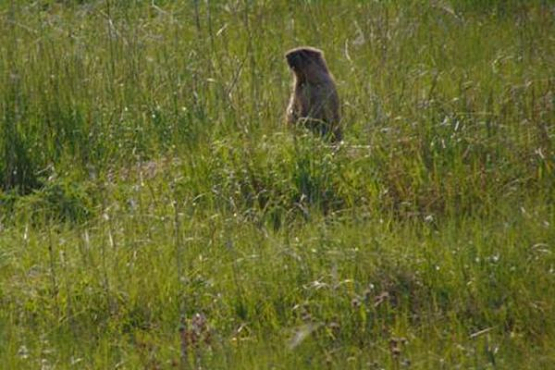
{"points": [[156, 213]]}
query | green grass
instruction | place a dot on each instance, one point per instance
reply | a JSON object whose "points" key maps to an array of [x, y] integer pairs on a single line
{"points": [[156, 213]]}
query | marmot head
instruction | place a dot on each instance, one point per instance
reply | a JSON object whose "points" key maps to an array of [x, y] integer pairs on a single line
{"points": [[304, 61]]}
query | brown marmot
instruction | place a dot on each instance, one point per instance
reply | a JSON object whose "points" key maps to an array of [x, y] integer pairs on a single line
{"points": [[314, 101]]}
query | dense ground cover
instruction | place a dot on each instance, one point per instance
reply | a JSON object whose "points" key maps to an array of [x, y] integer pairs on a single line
{"points": [[156, 213]]}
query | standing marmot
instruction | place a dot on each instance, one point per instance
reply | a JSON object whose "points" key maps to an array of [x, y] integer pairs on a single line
{"points": [[314, 100]]}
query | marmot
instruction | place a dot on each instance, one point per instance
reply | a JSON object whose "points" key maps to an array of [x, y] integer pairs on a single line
{"points": [[314, 101]]}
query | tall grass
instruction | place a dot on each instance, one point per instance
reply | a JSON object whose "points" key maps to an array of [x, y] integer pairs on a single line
{"points": [[155, 212]]}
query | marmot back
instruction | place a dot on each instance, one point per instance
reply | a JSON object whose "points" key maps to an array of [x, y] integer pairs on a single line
{"points": [[314, 101]]}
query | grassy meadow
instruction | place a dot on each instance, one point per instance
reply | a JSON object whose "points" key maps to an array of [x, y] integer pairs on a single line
{"points": [[156, 213]]}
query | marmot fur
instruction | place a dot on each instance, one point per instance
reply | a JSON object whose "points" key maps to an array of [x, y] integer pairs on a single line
{"points": [[314, 100]]}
